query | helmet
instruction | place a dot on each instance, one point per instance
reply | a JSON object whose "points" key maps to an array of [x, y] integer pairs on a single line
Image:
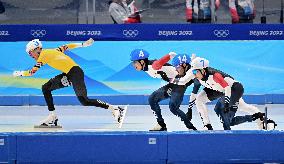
{"points": [[180, 59], [138, 54], [199, 63], [33, 45]]}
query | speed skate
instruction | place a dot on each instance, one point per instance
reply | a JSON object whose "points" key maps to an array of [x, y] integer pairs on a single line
{"points": [[50, 122], [49, 126], [122, 116]]}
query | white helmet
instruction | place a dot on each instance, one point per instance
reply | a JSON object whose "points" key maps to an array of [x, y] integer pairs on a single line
{"points": [[33, 45], [199, 63]]}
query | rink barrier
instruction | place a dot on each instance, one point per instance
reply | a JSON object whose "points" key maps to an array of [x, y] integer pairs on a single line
{"points": [[7, 148], [92, 147], [143, 147], [228, 147], [124, 99]]}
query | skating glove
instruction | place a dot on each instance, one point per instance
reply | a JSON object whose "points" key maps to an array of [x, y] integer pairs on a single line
{"points": [[88, 43], [193, 56], [172, 54], [18, 73]]}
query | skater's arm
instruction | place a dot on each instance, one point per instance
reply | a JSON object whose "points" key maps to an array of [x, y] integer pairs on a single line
{"points": [[28, 72], [75, 45], [194, 92], [185, 79], [35, 68], [196, 86], [158, 64], [163, 76], [218, 78]]}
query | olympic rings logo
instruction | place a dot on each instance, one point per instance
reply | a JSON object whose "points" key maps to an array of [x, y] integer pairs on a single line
{"points": [[130, 33], [38, 33], [221, 33]]}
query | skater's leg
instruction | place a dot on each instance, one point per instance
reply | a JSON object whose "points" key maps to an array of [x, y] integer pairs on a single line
{"points": [[202, 98], [243, 106], [174, 105], [219, 107], [154, 99], [225, 118], [76, 76], [237, 91], [59, 81]]}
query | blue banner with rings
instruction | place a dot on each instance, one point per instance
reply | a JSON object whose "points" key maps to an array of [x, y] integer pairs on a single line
{"points": [[146, 32]]}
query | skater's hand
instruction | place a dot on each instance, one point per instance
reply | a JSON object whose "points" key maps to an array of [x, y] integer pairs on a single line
{"points": [[193, 56], [88, 43], [172, 54], [17, 73]]}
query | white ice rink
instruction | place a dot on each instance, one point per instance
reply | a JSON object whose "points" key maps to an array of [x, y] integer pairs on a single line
{"points": [[138, 118]]}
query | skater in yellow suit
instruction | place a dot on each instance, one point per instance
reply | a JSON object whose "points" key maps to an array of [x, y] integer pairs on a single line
{"points": [[72, 75]]}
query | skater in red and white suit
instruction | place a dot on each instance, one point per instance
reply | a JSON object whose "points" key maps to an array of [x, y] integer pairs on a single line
{"points": [[221, 85]]}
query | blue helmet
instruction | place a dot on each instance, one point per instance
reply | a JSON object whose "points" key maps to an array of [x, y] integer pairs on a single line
{"points": [[139, 54], [181, 59]]}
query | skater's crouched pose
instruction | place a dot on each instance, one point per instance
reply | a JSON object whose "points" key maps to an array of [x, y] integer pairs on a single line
{"points": [[218, 84], [72, 75], [161, 69]]}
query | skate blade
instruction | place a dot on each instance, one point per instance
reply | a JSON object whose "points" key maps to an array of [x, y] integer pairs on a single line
{"points": [[51, 126], [123, 116]]}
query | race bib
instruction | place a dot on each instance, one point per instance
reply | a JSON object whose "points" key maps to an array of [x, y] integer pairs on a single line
{"points": [[65, 82]]}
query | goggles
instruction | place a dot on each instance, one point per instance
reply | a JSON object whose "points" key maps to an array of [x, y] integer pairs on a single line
{"points": [[194, 71]]}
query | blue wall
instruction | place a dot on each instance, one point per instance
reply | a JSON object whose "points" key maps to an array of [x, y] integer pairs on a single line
{"points": [[256, 64], [143, 147]]}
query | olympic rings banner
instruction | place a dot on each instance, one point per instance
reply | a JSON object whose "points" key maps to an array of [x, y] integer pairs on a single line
{"points": [[144, 32]]}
